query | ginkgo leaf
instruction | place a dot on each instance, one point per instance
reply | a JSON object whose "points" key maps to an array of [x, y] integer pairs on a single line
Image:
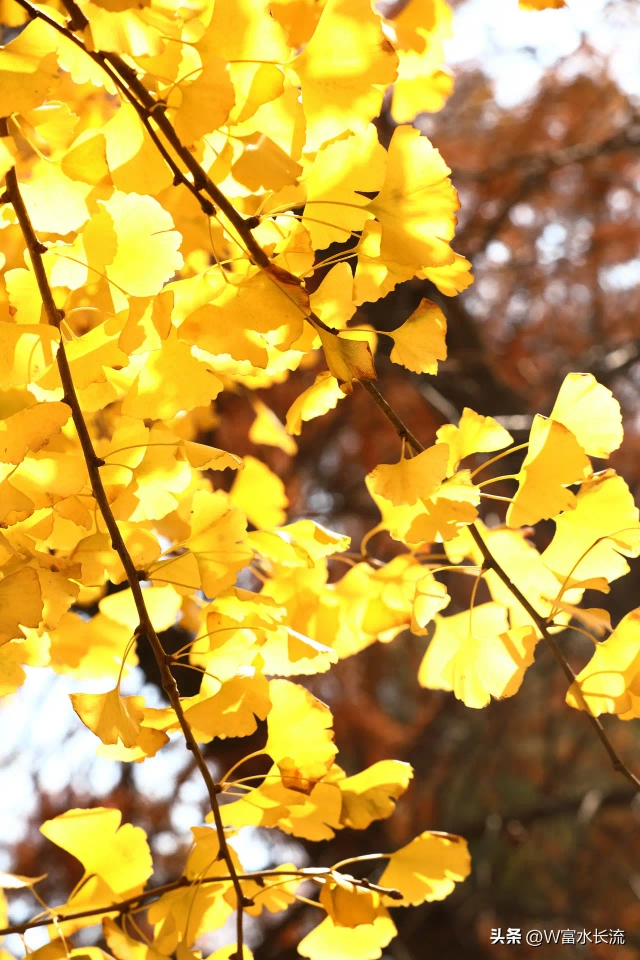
{"points": [[420, 342], [411, 479], [372, 794], [323, 395], [609, 683], [20, 604], [171, 380], [119, 855], [347, 359], [300, 734], [348, 904], [206, 101], [417, 204], [591, 412], [474, 434], [26, 350], [592, 540], [162, 605], [328, 941], [475, 654], [342, 171], [428, 868], [131, 224], [218, 542], [110, 716], [553, 462], [132, 158], [431, 597], [69, 212], [28, 68], [259, 493], [343, 71], [203, 457], [333, 300], [147, 744], [451, 278], [268, 429], [89, 355], [31, 429], [232, 710]]}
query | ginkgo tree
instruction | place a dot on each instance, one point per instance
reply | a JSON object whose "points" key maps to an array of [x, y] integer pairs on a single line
{"points": [[172, 172]]}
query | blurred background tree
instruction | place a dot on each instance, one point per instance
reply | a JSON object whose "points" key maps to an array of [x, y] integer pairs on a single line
{"points": [[543, 137]]}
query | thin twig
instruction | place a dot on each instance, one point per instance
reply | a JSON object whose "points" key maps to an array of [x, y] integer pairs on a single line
{"points": [[131, 903]]}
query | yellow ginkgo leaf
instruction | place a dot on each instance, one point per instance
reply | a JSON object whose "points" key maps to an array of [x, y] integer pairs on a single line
{"points": [[267, 428], [348, 904], [316, 400], [553, 462], [333, 300], [328, 941], [343, 71], [130, 224], [31, 429], [420, 342], [410, 480], [452, 278], [206, 101], [342, 171], [300, 734], [147, 744], [119, 855], [475, 654], [162, 603], [26, 350], [610, 681], [592, 540], [474, 434], [348, 359], [204, 457], [218, 543], [417, 204], [171, 380], [69, 212], [12, 676], [372, 794], [259, 493], [89, 355], [233, 708], [133, 160], [28, 68], [591, 412], [431, 597], [110, 716], [20, 604], [428, 868]]}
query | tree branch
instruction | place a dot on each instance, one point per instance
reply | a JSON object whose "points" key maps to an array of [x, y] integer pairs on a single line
{"points": [[132, 903], [94, 463]]}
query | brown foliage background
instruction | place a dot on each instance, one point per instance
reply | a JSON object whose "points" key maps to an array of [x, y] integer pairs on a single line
{"points": [[551, 219]]}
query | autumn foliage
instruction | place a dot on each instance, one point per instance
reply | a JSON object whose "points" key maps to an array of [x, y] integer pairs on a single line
{"points": [[173, 173]]}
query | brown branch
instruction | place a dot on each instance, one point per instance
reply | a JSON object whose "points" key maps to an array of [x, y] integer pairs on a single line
{"points": [[93, 462], [133, 903]]}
